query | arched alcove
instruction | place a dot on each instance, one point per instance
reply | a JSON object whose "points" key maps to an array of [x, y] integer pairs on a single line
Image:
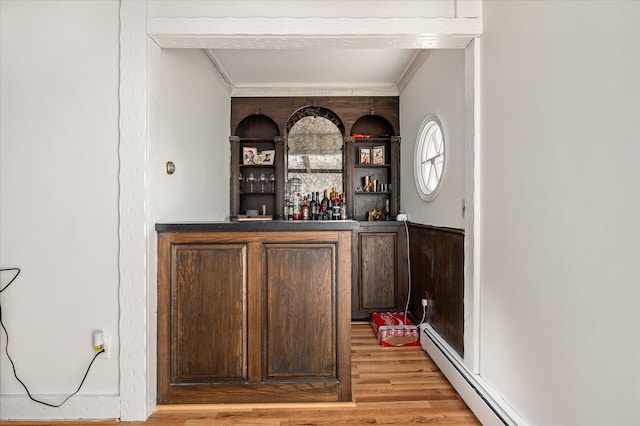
{"points": [[314, 111], [257, 126], [373, 125], [315, 150]]}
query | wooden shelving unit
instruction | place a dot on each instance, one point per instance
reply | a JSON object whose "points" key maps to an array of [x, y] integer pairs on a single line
{"points": [[260, 132], [366, 122]]}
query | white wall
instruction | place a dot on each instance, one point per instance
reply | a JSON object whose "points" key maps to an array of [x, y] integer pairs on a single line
{"points": [[560, 209], [58, 201], [437, 88], [189, 111], [194, 116]]}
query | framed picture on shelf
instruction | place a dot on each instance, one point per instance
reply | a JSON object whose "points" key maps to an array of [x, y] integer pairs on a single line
{"points": [[365, 155], [378, 154], [268, 157], [248, 155]]}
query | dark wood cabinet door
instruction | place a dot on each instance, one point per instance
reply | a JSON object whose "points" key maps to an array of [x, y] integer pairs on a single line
{"points": [[378, 283], [209, 313], [380, 273], [300, 299], [202, 316]]}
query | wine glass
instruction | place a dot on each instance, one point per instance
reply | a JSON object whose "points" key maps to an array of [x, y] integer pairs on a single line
{"points": [[272, 179], [262, 179], [241, 179], [251, 179]]}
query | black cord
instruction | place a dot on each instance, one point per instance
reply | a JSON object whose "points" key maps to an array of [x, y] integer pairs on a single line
{"points": [[12, 279], [15, 373]]}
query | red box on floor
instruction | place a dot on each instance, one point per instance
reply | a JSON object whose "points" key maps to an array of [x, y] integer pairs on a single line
{"points": [[394, 329]]}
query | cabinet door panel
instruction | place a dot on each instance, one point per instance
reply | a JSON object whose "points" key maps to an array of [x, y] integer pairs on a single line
{"points": [[378, 283], [209, 313], [299, 323]]}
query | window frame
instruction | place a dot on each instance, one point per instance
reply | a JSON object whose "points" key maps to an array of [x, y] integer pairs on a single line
{"points": [[424, 138]]}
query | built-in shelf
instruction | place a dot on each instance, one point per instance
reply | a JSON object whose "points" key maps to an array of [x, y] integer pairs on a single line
{"points": [[261, 122], [371, 166]]}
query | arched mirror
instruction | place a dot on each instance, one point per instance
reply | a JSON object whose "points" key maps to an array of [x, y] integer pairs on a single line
{"points": [[314, 151]]}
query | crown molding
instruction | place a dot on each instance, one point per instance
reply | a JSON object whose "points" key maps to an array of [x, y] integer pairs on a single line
{"points": [[290, 90], [221, 73], [414, 64]]}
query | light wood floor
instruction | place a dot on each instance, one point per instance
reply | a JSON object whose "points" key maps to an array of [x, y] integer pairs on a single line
{"points": [[393, 386]]}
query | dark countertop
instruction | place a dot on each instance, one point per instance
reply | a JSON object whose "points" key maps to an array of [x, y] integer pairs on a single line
{"points": [[269, 225]]}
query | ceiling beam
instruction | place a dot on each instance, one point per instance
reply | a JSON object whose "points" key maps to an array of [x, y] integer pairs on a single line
{"points": [[207, 33], [310, 33]]}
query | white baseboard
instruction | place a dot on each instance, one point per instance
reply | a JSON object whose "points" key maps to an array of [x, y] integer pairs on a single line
{"points": [[471, 388], [98, 407]]}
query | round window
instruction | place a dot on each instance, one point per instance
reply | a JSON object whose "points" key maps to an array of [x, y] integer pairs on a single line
{"points": [[429, 158]]}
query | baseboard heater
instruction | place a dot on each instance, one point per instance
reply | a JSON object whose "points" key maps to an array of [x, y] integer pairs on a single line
{"points": [[483, 405]]}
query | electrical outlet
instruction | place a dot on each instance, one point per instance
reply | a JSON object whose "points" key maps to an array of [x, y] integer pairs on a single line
{"points": [[102, 343], [107, 348]]}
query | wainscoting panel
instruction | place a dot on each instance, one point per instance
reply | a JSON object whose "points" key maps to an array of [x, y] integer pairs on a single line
{"points": [[437, 267]]}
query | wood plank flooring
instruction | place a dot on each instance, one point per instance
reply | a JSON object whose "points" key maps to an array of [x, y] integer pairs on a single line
{"points": [[392, 386]]}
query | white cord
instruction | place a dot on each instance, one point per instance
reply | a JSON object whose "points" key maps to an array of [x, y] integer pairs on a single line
{"points": [[406, 308], [424, 314]]}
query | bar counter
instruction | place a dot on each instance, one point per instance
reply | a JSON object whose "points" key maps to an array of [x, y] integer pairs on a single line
{"points": [[269, 225], [254, 311]]}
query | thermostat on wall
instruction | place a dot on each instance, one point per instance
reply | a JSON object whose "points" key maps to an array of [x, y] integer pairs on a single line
{"points": [[402, 217]]}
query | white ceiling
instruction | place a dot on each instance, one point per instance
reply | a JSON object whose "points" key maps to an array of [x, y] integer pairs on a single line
{"points": [[314, 70], [246, 67]]}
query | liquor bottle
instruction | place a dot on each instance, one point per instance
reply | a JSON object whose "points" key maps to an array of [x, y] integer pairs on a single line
{"points": [[387, 210], [318, 207], [324, 206], [312, 206], [335, 211], [343, 211], [305, 209]]}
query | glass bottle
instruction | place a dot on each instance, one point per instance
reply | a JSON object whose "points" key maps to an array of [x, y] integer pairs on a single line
{"points": [[312, 206], [324, 205], [387, 211], [296, 206], [304, 209]]}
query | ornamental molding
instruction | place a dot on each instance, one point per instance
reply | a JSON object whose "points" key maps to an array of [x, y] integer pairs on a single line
{"points": [[414, 64], [288, 90]]}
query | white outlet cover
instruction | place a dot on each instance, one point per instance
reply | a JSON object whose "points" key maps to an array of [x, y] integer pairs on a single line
{"points": [[107, 348]]}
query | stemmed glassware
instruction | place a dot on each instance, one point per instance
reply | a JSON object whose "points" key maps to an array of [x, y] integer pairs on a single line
{"points": [[262, 179], [251, 179], [272, 179], [241, 179]]}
